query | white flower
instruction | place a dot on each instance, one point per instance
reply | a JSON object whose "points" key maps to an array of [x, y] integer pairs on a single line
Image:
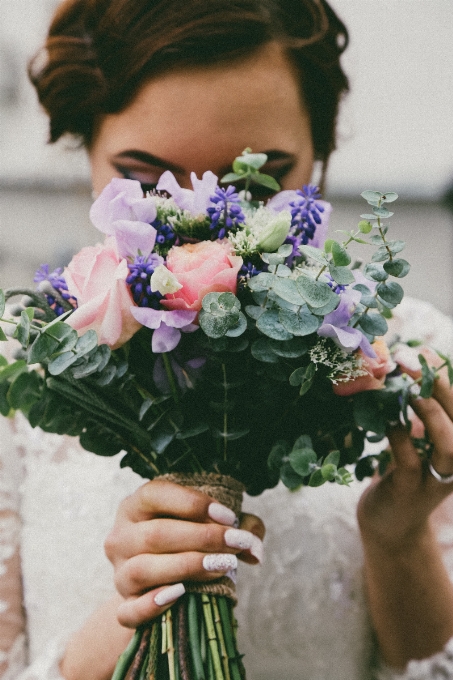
{"points": [[269, 229], [163, 281]]}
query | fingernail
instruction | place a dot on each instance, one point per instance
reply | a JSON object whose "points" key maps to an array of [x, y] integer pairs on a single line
{"points": [[169, 594], [415, 390], [408, 357], [220, 562], [221, 514], [244, 540]]}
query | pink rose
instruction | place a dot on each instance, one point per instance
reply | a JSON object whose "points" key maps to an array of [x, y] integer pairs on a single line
{"points": [[201, 268], [376, 368], [96, 276]]}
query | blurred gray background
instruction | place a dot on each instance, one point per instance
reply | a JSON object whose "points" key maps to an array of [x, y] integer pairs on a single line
{"points": [[396, 134]]}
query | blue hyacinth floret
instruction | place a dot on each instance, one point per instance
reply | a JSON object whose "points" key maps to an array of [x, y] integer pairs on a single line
{"points": [[306, 213], [165, 234], [58, 282], [226, 213], [140, 272]]}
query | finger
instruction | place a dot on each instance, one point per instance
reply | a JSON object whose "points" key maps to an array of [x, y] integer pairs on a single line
{"points": [[160, 498], [143, 572], [255, 526], [440, 431], [137, 610], [162, 536], [403, 450]]}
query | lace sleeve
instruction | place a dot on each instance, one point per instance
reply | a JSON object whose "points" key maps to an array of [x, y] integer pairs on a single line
{"points": [[12, 621]]}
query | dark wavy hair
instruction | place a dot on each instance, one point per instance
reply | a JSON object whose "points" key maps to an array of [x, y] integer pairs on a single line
{"points": [[99, 52]]}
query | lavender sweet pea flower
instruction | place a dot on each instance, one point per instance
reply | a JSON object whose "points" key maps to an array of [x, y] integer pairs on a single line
{"points": [[282, 201], [122, 212], [166, 326], [196, 201], [335, 325]]}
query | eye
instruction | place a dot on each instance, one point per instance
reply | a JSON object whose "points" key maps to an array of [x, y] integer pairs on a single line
{"points": [[148, 180]]}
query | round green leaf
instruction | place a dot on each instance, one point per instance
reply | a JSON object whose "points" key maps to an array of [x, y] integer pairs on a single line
{"points": [[25, 390], [289, 477], [42, 348], [371, 195], [301, 461], [315, 293], [398, 268], [299, 323], [262, 350], [389, 197], [365, 226], [289, 349], [263, 281], [86, 343], [314, 253], [374, 324], [239, 328], [382, 212], [341, 275], [375, 272], [287, 289], [390, 292], [269, 324], [340, 255], [62, 362]]}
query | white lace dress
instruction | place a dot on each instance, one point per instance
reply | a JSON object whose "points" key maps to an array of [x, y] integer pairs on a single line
{"points": [[303, 613]]}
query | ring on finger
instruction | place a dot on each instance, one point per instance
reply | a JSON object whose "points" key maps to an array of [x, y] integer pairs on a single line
{"points": [[443, 479]]}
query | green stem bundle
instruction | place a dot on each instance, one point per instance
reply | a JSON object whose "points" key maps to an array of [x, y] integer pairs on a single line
{"points": [[193, 640]]}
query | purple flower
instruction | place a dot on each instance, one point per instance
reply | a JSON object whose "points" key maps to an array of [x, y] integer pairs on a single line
{"points": [[226, 211], [303, 210], [166, 326], [196, 201], [122, 211], [139, 280], [335, 325], [58, 282]]}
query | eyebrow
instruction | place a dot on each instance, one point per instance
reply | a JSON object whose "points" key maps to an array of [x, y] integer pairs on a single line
{"points": [[149, 159]]}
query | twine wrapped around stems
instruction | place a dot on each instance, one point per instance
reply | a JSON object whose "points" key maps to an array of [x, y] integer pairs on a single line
{"points": [[225, 490]]}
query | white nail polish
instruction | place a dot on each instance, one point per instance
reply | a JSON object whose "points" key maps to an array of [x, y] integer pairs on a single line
{"points": [[221, 514], [169, 594], [245, 540], [220, 562]]}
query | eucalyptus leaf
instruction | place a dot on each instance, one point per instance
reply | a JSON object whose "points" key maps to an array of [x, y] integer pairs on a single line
{"points": [[314, 253], [374, 324], [193, 431], [306, 385], [213, 326], [25, 390], [288, 290], [253, 160], [62, 362], [42, 349], [283, 271], [266, 181], [341, 275], [297, 377], [389, 197], [2, 303], [262, 351], [3, 337], [316, 479], [87, 342], [254, 312], [263, 281], [278, 452], [326, 309], [5, 406], [269, 324], [390, 292], [299, 323], [340, 255], [301, 460], [368, 216], [239, 328], [397, 267], [231, 177], [382, 212], [285, 250], [375, 272], [315, 293], [289, 349], [371, 195], [289, 477], [22, 332]]}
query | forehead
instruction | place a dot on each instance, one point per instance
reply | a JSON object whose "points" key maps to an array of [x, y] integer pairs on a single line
{"points": [[206, 116]]}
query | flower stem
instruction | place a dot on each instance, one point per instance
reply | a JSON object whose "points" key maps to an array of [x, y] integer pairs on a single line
{"points": [[212, 638], [194, 638], [127, 656], [170, 376], [225, 414], [229, 638], [220, 636]]}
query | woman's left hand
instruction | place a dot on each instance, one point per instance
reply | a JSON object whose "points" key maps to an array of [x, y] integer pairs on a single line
{"points": [[409, 591], [395, 508]]}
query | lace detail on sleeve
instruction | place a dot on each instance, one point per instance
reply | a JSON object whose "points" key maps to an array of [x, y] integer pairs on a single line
{"points": [[12, 623], [437, 667]]}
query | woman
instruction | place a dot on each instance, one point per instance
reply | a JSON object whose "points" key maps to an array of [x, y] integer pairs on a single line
{"points": [[185, 86]]}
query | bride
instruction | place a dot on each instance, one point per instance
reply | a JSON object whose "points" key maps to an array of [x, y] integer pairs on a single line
{"points": [[151, 85]]}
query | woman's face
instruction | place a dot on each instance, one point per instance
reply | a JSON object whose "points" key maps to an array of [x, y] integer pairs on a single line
{"points": [[200, 119]]}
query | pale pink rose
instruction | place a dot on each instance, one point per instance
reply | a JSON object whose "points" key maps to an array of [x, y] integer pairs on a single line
{"points": [[201, 268], [376, 368], [96, 276]]}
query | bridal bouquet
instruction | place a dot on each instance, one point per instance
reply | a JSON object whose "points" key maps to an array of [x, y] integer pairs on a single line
{"points": [[222, 343]]}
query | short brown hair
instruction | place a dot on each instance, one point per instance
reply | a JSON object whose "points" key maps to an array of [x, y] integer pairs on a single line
{"points": [[99, 52]]}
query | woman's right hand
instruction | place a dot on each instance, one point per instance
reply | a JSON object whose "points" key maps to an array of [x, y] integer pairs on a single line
{"points": [[165, 534]]}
